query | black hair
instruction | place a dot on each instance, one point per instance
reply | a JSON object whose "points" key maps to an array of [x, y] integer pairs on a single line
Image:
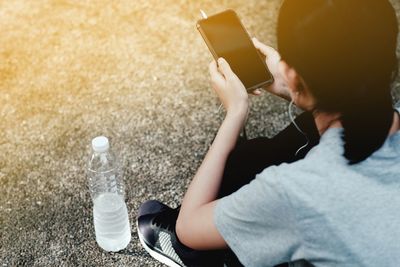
{"points": [[346, 52]]}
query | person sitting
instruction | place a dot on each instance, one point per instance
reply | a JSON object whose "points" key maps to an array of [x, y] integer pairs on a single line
{"points": [[332, 202]]}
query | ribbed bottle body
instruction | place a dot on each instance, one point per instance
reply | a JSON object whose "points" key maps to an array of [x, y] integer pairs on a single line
{"points": [[110, 214]]}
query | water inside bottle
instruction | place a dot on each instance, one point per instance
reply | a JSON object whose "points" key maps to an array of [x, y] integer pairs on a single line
{"points": [[111, 222]]}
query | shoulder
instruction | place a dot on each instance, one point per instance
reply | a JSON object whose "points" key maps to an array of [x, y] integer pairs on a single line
{"points": [[303, 179]]}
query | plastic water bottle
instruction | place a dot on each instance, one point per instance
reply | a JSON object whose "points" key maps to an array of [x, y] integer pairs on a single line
{"points": [[110, 215]]}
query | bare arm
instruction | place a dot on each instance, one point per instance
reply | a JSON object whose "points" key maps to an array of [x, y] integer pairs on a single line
{"points": [[195, 226]]}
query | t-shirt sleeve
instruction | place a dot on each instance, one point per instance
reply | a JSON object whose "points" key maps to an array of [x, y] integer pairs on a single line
{"points": [[258, 223]]}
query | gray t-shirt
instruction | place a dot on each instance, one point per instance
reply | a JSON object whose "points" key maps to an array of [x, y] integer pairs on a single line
{"points": [[320, 209]]}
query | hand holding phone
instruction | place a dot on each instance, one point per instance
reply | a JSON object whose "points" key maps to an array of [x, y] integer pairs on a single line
{"points": [[279, 87], [228, 87], [226, 37]]}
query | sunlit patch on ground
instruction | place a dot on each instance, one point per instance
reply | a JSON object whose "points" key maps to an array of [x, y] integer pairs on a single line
{"points": [[135, 71]]}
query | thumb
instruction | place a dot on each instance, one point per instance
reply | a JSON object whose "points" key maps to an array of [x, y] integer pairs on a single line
{"points": [[266, 50], [224, 67]]}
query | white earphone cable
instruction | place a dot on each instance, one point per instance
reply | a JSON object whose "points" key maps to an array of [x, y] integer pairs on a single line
{"points": [[298, 128]]}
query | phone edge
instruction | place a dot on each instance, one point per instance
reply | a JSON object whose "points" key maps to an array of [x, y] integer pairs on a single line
{"points": [[271, 80], [203, 35], [215, 56]]}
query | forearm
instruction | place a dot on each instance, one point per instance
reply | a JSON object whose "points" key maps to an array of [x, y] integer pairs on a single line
{"points": [[195, 225], [206, 183]]}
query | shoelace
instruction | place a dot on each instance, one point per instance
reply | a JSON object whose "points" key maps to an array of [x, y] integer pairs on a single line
{"points": [[166, 219]]}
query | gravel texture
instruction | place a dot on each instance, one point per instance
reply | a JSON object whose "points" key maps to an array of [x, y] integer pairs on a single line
{"points": [[135, 71]]}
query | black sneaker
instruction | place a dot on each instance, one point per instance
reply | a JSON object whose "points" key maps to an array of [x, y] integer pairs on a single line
{"points": [[156, 229]]}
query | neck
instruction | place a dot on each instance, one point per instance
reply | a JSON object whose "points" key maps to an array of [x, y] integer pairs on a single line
{"points": [[396, 124], [324, 121]]}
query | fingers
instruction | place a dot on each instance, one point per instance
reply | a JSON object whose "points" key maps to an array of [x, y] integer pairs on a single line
{"points": [[256, 92], [266, 50], [225, 68], [216, 77], [214, 72]]}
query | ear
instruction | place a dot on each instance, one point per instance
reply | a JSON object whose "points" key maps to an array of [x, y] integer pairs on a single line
{"points": [[298, 89], [291, 78]]}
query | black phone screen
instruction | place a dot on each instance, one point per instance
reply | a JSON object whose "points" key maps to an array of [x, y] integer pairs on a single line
{"points": [[227, 38]]}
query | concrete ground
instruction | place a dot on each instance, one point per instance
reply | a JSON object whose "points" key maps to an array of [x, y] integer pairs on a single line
{"points": [[135, 71]]}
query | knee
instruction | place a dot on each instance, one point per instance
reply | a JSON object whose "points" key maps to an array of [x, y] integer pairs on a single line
{"points": [[181, 231]]}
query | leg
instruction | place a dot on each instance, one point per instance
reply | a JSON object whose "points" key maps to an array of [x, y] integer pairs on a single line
{"points": [[156, 221], [250, 157]]}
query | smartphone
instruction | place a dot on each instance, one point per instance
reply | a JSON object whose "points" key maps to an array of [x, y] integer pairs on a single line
{"points": [[226, 37]]}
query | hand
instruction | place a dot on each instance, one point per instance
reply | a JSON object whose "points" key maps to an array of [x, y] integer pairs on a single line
{"points": [[228, 87], [279, 87]]}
